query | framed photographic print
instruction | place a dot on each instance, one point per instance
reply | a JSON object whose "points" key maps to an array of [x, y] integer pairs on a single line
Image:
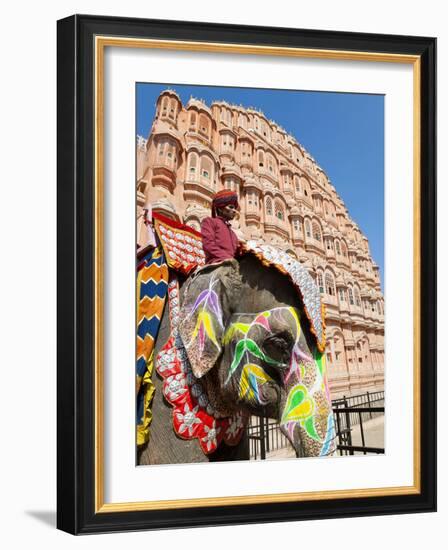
{"points": [[246, 265]]}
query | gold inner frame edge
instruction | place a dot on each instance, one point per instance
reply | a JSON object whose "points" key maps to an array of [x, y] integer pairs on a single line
{"points": [[101, 42]]}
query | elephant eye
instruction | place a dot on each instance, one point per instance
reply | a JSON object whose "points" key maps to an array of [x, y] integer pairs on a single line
{"points": [[278, 346]]}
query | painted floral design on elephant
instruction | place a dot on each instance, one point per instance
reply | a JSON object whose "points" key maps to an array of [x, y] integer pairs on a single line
{"points": [[303, 373], [207, 310]]}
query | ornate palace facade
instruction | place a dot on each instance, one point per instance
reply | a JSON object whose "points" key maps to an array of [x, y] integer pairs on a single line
{"points": [[286, 199]]}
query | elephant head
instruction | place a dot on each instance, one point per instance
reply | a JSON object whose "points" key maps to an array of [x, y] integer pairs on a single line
{"points": [[249, 341]]}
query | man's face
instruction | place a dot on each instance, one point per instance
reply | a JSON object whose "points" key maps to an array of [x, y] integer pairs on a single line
{"points": [[228, 212]]}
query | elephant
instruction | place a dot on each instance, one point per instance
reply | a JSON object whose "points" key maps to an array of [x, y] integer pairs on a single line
{"points": [[250, 349]]}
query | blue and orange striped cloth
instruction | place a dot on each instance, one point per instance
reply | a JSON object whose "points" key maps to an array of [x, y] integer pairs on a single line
{"points": [[152, 287]]}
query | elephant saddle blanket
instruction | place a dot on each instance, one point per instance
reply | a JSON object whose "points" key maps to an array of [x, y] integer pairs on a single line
{"points": [[181, 244]]}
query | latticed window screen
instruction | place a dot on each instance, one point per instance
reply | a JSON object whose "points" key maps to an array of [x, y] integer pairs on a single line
{"points": [[329, 284], [203, 124], [193, 163], [320, 282], [279, 212], [206, 168], [307, 229], [172, 108], [350, 295], [316, 231]]}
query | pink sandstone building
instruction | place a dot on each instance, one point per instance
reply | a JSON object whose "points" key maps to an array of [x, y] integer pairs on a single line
{"points": [[286, 199]]}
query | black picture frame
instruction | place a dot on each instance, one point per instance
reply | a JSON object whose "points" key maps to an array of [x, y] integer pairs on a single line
{"points": [[78, 510]]}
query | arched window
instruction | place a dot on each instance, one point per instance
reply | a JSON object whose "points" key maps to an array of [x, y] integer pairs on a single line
{"points": [[260, 159], [320, 282], [357, 297], [162, 148], [338, 248], [231, 183], [224, 142], [204, 125], [193, 121], [193, 165], [271, 163], [308, 229], [329, 284], [341, 294], [252, 200], [269, 206], [171, 154], [172, 108], [344, 250], [246, 150], [279, 212], [297, 184], [316, 232], [206, 168], [164, 105], [350, 296], [297, 226]]}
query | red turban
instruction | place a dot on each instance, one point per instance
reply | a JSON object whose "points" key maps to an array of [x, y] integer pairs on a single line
{"points": [[224, 198]]}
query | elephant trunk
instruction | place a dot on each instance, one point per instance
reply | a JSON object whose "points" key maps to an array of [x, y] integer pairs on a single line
{"points": [[306, 416]]}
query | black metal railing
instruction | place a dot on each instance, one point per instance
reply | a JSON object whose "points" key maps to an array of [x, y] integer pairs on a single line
{"points": [[365, 401], [265, 437], [350, 414]]}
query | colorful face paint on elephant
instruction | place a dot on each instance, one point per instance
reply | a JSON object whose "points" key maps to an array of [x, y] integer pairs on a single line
{"points": [[269, 351]]}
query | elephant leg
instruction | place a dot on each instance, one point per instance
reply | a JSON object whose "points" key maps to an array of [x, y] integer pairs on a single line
{"points": [[234, 452]]}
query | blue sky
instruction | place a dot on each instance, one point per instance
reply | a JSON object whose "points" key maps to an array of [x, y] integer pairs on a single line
{"points": [[344, 133]]}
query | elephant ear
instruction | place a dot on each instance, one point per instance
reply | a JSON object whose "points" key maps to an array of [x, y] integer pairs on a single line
{"points": [[201, 320]]}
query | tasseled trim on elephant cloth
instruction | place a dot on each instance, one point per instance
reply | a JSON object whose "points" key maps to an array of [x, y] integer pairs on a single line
{"points": [[152, 287], [193, 415], [302, 280]]}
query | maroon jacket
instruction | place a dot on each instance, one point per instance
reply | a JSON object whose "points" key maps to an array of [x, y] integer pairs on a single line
{"points": [[218, 240]]}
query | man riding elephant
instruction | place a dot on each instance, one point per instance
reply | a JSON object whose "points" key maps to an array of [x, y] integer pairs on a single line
{"points": [[218, 239]]}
